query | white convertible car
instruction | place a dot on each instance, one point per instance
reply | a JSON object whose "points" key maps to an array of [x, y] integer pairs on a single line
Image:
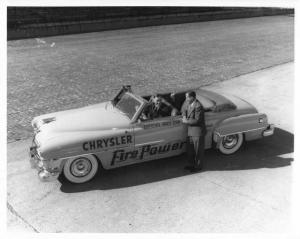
{"points": [[112, 134]]}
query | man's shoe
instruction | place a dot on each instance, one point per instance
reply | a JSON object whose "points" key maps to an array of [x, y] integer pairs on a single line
{"points": [[188, 168], [194, 170]]}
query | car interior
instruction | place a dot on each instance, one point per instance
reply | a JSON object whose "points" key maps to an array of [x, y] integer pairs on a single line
{"points": [[176, 99], [217, 103]]}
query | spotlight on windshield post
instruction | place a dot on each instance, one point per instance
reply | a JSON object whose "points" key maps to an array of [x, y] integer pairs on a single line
{"points": [[127, 88]]}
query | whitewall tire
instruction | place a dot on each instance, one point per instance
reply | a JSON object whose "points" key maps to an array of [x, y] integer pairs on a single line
{"points": [[81, 169], [231, 143]]}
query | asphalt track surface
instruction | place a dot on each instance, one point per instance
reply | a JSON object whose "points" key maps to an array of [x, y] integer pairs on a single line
{"points": [[246, 192], [63, 72]]}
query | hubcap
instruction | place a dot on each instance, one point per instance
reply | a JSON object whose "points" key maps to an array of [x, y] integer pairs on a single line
{"points": [[230, 141], [81, 167]]}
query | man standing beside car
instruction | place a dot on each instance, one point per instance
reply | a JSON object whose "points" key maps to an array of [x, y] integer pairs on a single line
{"points": [[193, 115]]}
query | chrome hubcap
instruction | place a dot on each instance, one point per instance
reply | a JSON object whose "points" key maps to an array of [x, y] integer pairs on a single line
{"points": [[81, 167], [230, 141]]}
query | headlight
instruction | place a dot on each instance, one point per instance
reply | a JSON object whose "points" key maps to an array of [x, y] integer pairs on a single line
{"points": [[36, 126]]}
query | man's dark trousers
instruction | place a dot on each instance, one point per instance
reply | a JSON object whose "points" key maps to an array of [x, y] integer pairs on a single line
{"points": [[195, 150]]}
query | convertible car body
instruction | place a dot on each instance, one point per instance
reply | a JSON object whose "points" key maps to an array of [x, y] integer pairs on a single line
{"points": [[111, 134]]}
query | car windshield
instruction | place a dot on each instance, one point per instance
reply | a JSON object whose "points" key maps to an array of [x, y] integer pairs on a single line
{"points": [[128, 104]]}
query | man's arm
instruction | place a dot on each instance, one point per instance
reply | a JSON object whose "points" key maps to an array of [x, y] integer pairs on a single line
{"points": [[183, 109], [198, 111]]}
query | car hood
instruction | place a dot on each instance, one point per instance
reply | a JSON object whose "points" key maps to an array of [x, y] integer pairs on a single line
{"points": [[92, 118], [61, 134]]}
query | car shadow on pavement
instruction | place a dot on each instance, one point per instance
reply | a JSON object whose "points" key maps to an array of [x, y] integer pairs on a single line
{"points": [[263, 153]]}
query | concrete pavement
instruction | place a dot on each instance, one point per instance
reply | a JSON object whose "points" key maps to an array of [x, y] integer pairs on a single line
{"points": [[246, 192]]}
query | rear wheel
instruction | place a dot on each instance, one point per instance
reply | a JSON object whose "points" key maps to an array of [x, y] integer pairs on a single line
{"points": [[231, 143], [81, 169]]}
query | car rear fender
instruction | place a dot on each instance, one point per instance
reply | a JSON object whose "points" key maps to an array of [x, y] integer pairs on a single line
{"points": [[251, 125]]}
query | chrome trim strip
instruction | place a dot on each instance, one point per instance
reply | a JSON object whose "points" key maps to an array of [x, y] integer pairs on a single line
{"points": [[222, 135], [153, 142]]}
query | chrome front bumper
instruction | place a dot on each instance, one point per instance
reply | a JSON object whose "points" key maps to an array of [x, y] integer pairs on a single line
{"points": [[44, 174], [269, 131]]}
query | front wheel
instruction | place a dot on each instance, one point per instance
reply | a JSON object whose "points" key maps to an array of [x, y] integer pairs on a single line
{"points": [[81, 169], [231, 143]]}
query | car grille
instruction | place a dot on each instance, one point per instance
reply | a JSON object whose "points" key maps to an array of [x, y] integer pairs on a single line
{"points": [[33, 151]]}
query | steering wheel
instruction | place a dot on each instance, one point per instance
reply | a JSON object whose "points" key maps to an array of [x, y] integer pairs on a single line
{"points": [[151, 100], [175, 112]]}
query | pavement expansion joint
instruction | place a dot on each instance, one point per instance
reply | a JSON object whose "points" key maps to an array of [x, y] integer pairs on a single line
{"points": [[14, 212]]}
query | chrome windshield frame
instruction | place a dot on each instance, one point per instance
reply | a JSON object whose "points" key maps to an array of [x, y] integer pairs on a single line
{"points": [[140, 100], [140, 109]]}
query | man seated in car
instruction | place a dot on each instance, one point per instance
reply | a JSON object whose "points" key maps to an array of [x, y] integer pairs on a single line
{"points": [[160, 108]]}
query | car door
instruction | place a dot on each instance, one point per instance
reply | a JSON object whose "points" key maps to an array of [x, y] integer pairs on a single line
{"points": [[119, 145], [158, 138]]}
